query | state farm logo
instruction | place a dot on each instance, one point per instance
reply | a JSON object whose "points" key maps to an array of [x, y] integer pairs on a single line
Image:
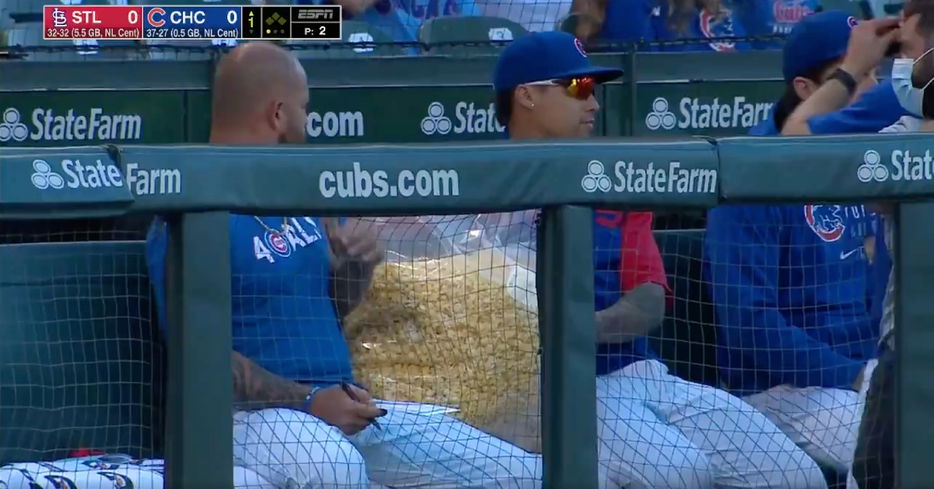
{"points": [[44, 177], [872, 168], [12, 127], [436, 122], [596, 178], [661, 116]]}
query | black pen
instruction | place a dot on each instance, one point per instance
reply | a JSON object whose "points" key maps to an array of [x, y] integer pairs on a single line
{"points": [[345, 386]]}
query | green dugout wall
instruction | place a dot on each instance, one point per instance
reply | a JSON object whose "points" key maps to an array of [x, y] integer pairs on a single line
{"points": [[196, 196], [386, 100]]}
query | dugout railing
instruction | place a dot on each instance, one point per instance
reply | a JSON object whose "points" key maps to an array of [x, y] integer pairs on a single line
{"points": [[197, 187]]}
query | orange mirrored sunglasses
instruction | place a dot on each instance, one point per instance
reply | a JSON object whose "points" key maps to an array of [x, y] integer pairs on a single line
{"points": [[580, 88]]}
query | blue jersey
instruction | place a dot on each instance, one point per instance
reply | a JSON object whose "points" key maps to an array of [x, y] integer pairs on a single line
{"points": [[283, 316], [401, 19], [774, 17], [875, 110], [789, 283], [625, 256], [629, 21], [703, 25]]}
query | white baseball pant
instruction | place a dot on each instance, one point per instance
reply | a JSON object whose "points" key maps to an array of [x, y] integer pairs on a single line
{"points": [[659, 431], [416, 447], [823, 421]]}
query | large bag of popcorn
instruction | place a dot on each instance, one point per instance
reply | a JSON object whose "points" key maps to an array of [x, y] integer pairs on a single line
{"points": [[451, 319]]}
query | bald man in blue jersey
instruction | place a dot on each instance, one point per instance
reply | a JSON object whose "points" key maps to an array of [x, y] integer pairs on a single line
{"points": [[293, 280]]}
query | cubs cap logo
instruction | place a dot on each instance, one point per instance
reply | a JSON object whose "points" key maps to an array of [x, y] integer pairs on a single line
{"points": [[825, 221], [580, 47], [851, 21]]}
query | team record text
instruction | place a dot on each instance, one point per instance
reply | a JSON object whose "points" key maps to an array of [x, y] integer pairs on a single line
{"points": [[209, 22]]}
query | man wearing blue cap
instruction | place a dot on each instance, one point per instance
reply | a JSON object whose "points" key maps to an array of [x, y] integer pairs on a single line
{"points": [[814, 64], [655, 429], [790, 282]]}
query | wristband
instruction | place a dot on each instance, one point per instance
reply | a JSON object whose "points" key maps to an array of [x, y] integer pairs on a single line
{"points": [[306, 406], [845, 79]]}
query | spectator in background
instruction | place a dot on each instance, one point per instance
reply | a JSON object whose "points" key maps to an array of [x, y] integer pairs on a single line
{"points": [[790, 282], [655, 430], [533, 15], [714, 21], [401, 19], [774, 17]]}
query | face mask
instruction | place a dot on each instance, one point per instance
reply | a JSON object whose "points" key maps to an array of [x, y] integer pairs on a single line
{"points": [[910, 98]]}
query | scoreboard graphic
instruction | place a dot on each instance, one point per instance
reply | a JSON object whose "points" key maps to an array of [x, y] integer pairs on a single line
{"points": [[191, 22]]}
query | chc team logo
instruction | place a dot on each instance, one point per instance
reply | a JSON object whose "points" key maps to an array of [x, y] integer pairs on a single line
{"points": [[661, 116], [278, 244], [825, 221], [872, 168]]}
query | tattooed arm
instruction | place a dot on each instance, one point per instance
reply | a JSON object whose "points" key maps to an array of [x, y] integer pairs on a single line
{"points": [[636, 314], [258, 388]]}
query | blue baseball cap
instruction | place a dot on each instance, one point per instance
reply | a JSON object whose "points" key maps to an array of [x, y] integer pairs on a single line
{"points": [[551, 55], [815, 41]]}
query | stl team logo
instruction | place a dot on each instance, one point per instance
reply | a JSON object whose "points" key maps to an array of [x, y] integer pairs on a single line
{"points": [[660, 117], [44, 177], [12, 127], [872, 168], [596, 178], [436, 122]]}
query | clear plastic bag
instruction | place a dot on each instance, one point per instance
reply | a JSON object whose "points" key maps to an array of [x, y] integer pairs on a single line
{"points": [[451, 319]]}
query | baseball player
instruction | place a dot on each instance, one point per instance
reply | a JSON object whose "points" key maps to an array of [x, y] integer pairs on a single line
{"points": [[298, 423], [655, 430], [790, 282]]}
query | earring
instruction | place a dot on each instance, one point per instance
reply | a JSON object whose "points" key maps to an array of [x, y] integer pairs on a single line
{"points": [[531, 106]]}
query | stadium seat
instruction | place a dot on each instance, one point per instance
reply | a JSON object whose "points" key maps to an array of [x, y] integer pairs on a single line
{"points": [[687, 338], [446, 35], [80, 361], [352, 31]]}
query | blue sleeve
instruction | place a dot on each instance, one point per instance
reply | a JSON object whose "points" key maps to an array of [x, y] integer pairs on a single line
{"points": [[156, 250], [743, 246], [876, 109]]}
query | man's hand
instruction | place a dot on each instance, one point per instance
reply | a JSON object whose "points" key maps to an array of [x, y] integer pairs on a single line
{"points": [[869, 41], [355, 241], [333, 406]]}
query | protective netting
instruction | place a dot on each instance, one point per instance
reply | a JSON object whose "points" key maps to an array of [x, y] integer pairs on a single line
{"points": [[758, 373], [445, 340], [81, 361], [735, 349]]}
